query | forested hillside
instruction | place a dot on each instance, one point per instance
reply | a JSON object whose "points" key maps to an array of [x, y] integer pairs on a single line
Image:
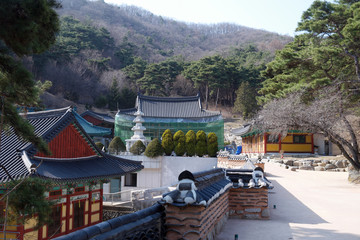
{"points": [[104, 54]]}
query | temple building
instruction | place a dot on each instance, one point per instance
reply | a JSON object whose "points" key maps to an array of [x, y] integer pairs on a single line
{"points": [[76, 168], [161, 113]]}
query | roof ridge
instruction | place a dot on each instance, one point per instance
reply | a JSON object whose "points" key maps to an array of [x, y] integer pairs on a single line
{"points": [[46, 111], [170, 99]]}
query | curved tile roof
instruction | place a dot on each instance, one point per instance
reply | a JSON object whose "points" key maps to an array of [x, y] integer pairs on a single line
{"points": [[169, 107], [48, 124]]}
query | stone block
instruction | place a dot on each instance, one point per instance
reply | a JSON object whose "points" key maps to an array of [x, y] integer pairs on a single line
{"points": [[253, 210]]}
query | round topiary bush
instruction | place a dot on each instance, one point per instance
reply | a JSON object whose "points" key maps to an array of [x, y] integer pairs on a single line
{"points": [[116, 145], [190, 143], [212, 144], [138, 148], [179, 142], [201, 147], [99, 145], [154, 149], [167, 142]]}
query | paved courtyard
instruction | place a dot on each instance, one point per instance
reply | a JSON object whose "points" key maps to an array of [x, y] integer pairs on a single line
{"points": [[308, 205]]}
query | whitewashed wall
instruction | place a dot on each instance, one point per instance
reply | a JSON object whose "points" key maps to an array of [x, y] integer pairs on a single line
{"points": [[319, 140], [164, 171]]}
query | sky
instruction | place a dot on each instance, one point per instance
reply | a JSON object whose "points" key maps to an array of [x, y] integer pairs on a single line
{"points": [[280, 16]]}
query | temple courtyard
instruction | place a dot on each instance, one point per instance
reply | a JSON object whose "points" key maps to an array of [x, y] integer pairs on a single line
{"points": [[303, 205]]}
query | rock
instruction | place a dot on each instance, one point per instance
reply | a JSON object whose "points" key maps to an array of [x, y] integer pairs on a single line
{"points": [[319, 168], [296, 163], [322, 164], [289, 162], [339, 164], [346, 163], [293, 169], [286, 167], [306, 168], [317, 161], [329, 166], [325, 161], [315, 164]]}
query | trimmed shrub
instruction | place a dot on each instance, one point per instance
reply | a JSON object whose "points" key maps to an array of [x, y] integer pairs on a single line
{"points": [[190, 142], [116, 145], [179, 142], [99, 145], [212, 144], [154, 149], [201, 147], [167, 142], [138, 148]]}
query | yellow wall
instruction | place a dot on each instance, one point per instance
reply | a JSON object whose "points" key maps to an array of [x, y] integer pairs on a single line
{"points": [[63, 210], [95, 218], [272, 147], [63, 227], [44, 232], [95, 207], [31, 235], [296, 147]]}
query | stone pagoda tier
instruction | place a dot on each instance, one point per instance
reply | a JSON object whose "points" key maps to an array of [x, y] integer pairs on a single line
{"points": [[138, 130]]}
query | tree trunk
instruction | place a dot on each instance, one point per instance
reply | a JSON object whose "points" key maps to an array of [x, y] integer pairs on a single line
{"points": [[206, 96], [217, 98]]}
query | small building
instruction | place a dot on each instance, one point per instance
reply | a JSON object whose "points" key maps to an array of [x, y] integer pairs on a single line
{"points": [[76, 167], [258, 142], [100, 120], [97, 133], [161, 113]]}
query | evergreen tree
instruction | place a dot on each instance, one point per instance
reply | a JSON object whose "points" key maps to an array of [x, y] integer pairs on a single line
{"points": [[212, 144], [116, 145], [167, 142], [114, 95], [138, 148], [190, 143], [245, 102], [179, 142], [154, 149], [201, 146]]}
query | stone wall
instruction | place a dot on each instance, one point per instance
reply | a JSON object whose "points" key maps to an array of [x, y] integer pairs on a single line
{"points": [[196, 222], [249, 203]]}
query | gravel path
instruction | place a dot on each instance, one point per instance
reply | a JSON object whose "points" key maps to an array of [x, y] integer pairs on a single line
{"points": [[309, 205]]}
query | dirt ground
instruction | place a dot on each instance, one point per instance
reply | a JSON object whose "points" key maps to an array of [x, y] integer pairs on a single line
{"points": [[303, 205]]}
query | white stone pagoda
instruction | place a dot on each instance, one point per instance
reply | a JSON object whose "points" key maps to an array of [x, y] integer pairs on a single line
{"points": [[138, 130]]}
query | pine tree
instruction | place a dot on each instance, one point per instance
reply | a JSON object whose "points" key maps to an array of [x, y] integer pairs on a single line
{"points": [[27, 27]]}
